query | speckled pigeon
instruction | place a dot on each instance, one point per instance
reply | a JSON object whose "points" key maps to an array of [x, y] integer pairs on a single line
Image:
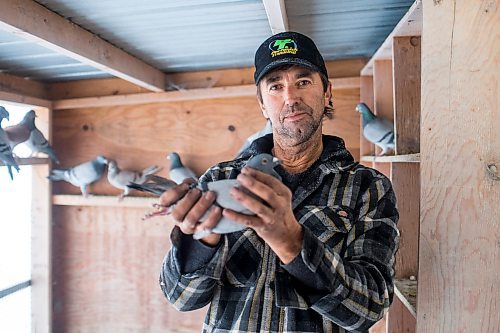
{"points": [[178, 172], [120, 178], [81, 175], [5, 150], [377, 130]]}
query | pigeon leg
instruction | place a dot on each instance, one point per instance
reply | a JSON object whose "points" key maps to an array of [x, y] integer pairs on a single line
{"points": [[83, 189]]}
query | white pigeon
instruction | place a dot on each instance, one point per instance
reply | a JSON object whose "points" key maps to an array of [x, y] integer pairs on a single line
{"points": [[81, 175], [5, 150], [178, 172], [120, 178]]}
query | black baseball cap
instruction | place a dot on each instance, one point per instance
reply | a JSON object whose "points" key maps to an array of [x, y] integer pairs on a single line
{"points": [[287, 48]]}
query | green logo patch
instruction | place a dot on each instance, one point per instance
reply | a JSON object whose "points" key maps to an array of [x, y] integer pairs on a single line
{"points": [[283, 46]]}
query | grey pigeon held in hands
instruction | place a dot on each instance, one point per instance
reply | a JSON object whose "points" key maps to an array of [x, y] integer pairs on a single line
{"points": [[377, 130], [20, 132], [81, 175], [120, 178], [5, 150], [262, 162], [178, 172]]}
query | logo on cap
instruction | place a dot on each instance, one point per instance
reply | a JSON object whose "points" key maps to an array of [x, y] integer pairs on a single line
{"points": [[283, 46]]}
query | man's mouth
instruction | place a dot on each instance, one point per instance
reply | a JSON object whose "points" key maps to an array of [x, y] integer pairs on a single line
{"points": [[295, 116]]}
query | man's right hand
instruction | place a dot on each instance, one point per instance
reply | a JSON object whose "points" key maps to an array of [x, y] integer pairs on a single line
{"points": [[190, 206]]}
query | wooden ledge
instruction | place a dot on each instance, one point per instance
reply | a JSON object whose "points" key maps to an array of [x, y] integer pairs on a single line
{"points": [[410, 158]]}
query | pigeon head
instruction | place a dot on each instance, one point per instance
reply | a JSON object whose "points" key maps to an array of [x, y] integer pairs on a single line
{"points": [[112, 166], [101, 160], [29, 119], [175, 160], [265, 163], [3, 114]]}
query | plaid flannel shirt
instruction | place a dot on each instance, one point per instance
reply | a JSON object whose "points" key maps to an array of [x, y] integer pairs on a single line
{"points": [[348, 213]]}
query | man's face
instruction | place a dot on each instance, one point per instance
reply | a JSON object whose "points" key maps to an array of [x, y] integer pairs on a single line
{"points": [[294, 100]]}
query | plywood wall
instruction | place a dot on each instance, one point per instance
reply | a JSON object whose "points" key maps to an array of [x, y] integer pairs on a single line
{"points": [[106, 260], [458, 289]]}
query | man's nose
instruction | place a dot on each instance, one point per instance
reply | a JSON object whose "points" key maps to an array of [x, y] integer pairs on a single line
{"points": [[291, 95]]}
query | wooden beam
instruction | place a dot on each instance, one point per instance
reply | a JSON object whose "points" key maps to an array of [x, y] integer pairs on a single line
{"points": [[29, 20], [185, 80], [182, 95], [103, 201], [18, 85], [24, 100], [276, 15], [409, 25]]}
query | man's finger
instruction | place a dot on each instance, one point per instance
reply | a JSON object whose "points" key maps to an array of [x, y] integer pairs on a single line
{"points": [[184, 205], [171, 196], [200, 207], [251, 203]]}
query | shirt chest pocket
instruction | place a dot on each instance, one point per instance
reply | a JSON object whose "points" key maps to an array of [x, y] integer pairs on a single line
{"points": [[328, 223]]}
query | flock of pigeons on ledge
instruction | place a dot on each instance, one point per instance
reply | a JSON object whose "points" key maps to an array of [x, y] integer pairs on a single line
{"points": [[375, 129]]}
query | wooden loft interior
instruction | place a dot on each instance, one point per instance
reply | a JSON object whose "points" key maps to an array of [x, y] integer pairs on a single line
{"points": [[95, 263]]}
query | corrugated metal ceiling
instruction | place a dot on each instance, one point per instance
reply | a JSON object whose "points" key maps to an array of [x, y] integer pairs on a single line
{"points": [[188, 35]]}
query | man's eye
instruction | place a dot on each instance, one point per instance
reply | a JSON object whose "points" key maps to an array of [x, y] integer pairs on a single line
{"points": [[274, 87], [304, 83]]}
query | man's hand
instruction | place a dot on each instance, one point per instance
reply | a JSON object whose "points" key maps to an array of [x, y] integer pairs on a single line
{"points": [[190, 205], [275, 223]]}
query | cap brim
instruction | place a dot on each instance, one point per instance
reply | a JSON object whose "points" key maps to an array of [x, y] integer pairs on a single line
{"points": [[285, 61]]}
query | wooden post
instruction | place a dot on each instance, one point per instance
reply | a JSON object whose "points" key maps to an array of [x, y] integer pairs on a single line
{"points": [[41, 239], [406, 69], [460, 154]]}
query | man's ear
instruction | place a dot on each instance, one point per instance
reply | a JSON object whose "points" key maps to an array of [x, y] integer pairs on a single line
{"points": [[263, 109], [328, 94]]}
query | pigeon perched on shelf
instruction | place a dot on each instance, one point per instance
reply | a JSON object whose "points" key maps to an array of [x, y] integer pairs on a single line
{"points": [[268, 128], [377, 130], [5, 150], [20, 132], [81, 175], [178, 172], [39, 144], [262, 162], [120, 178]]}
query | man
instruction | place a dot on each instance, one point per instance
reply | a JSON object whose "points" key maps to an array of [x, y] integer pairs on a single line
{"points": [[319, 256]]}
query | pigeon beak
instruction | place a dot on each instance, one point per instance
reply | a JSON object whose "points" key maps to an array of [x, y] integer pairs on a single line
{"points": [[276, 161]]}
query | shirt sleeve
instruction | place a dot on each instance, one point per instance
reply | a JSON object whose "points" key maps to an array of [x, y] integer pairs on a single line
{"points": [[188, 284], [354, 289]]}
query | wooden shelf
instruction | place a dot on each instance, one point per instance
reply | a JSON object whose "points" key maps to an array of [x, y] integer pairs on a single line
{"points": [[102, 201], [406, 291], [409, 158], [409, 25], [30, 161]]}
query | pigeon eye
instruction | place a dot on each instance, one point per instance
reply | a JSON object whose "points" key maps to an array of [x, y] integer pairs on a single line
{"points": [[264, 161]]}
